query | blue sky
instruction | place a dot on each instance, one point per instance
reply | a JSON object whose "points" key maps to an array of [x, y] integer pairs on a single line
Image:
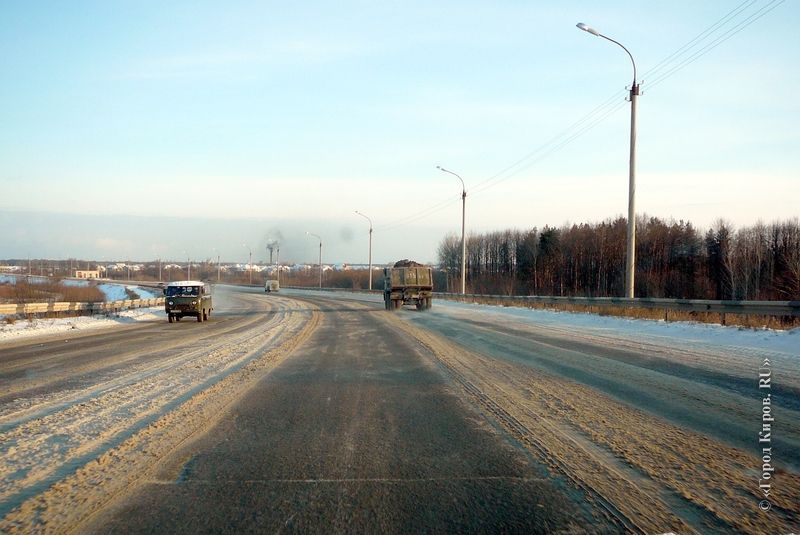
{"points": [[144, 129]]}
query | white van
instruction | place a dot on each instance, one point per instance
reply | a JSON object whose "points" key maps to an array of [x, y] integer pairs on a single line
{"points": [[271, 286]]}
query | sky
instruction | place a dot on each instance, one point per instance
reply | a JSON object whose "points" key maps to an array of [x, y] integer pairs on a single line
{"points": [[190, 129]]}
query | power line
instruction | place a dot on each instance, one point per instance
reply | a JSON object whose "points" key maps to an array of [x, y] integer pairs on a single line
{"points": [[699, 37], [439, 206], [602, 110], [718, 41], [611, 100], [687, 46], [554, 148], [607, 108]]}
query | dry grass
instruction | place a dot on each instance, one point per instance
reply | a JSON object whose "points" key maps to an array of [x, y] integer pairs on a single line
{"points": [[25, 292], [749, 321], [87, 294]]}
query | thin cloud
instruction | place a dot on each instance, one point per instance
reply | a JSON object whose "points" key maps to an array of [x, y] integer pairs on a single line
{"points": [[293, 52]]}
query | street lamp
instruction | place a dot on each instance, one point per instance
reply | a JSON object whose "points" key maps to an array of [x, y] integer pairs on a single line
{"points": [[463, 241], [278, 262], [218, 255], [249, 263], [188, 266], [320, 255], [370, 246], [630, 265]]}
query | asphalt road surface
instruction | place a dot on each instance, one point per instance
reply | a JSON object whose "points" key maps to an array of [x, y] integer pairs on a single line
{"points": [[311, 412]]}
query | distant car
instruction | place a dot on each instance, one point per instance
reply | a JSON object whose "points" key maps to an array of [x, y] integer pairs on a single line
{"points": [[271, 286]]}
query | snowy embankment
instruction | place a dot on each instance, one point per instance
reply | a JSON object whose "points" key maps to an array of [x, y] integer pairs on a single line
{"points": [[23, 328], [683, 334]]}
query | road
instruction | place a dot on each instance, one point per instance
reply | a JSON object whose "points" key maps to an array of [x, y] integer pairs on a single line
{"points": [[313, 412]]}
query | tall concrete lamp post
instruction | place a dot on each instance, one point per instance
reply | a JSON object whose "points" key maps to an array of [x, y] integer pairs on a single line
{"points": [[370, 246], [463, 238], [188, 266], [218, 255], [249, 263], [278, 262], [320, 255], [630, 265]]}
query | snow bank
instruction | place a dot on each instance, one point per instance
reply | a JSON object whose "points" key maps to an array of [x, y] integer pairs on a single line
{"points": [[39, 327], [687, 334]]}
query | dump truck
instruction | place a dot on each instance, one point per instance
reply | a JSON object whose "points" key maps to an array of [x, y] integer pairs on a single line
{"points": [[407, 283]]}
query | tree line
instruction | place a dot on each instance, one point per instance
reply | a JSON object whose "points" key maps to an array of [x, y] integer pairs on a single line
{"points": [[674, 259]]}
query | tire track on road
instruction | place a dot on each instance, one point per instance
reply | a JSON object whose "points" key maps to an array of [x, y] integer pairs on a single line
{"points": [[18, 387], [74, 497], [26, 409], [654, 476]]}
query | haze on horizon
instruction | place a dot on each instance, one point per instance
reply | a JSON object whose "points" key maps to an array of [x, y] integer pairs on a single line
{"points": [[189, 130]]}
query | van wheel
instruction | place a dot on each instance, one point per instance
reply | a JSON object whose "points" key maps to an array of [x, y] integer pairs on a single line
{"points": [[200, 316], [206, 314]]}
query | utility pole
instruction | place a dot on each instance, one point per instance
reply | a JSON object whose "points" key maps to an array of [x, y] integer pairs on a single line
{"points": [[249, 262], [320, 256], [630, 260], [370, 246], [463, 237]]}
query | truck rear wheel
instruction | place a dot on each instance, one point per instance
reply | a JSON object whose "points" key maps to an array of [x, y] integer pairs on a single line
{"points": [[428, 303], [398, 303], [421, 304], [170, 318]]}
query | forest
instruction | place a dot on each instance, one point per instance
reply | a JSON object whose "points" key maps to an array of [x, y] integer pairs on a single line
{"points": [[674, 259]]}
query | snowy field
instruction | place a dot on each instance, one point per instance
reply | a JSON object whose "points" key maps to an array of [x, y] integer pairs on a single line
{"points": [[23, 328], [682, 332], [45, 326], [688, 335]]}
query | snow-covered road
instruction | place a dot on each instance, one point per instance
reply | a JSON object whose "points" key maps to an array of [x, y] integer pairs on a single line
{"points": [[655, 422], [72, 400]]}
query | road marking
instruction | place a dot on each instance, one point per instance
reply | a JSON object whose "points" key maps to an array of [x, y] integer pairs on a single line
{"points": [[347, 480]]}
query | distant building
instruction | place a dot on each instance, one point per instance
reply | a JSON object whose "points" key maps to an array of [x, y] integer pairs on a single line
{"points": [[87, 274]]}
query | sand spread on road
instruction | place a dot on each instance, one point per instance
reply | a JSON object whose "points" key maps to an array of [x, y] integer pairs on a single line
{"points": [[71, 501], [643, 468]]}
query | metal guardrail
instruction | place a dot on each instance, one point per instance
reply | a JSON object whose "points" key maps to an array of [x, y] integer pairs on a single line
{"points": [[756, 308], [89, 308], [765, 308]]}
